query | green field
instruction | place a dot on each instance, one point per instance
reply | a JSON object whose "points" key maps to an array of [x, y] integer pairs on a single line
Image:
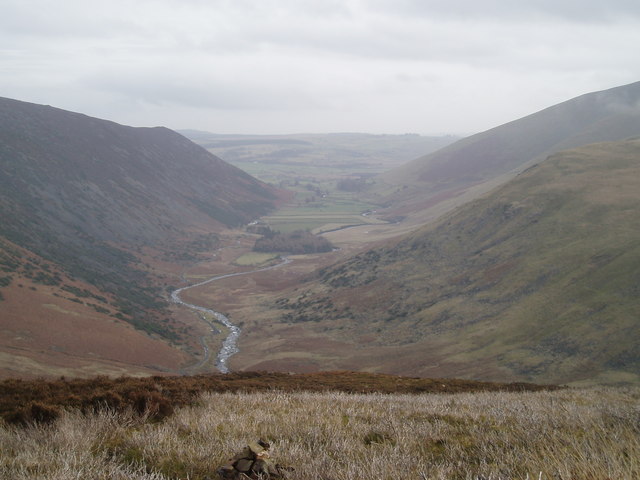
{"points": [[255, 259], [318, 204], [320, 214]]}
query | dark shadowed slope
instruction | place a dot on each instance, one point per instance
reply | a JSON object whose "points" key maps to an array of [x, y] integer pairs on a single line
{"points": [[595, 117], [117, 183], [538, 280], [82, 194]]}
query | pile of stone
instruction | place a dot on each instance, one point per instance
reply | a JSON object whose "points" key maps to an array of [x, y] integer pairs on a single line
{"points": [[253, 463]]}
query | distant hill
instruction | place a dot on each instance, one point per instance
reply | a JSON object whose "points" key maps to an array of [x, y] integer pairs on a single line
{"points": [[537, 281], [79, 196], [346, 153], [432, 179]]}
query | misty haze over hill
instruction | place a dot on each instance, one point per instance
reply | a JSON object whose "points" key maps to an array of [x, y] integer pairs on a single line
{"points": [[612, 114]]}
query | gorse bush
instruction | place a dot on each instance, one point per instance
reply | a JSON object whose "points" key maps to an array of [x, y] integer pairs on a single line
{"points": [[549, 435]]}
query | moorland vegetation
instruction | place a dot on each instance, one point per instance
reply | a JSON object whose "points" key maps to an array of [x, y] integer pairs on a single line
{"points": [[23, 401], [565, 434]]}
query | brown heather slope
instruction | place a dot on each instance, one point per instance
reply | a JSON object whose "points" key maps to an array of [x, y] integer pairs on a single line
{"points": [[52, 325], [46, 335], [537, 281], [22, 400], [431, 184], [82, 202]]}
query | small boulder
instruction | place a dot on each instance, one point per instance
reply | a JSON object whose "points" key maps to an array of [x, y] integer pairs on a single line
{"points": [[253, 463]]}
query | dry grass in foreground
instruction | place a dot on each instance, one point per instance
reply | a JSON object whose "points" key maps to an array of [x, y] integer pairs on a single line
{"points": [[24, 401], [565, 434]]}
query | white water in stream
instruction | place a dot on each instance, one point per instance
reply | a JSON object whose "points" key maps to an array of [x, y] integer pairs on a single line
{"points": [[230, 344]]}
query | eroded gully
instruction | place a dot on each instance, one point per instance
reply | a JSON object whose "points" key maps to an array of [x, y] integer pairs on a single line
{"points": [[230, 344]]}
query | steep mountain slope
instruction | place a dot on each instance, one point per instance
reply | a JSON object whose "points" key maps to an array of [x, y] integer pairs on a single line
{"points": [[539, 280], [608, 115], [79, 196], [117, 183]]}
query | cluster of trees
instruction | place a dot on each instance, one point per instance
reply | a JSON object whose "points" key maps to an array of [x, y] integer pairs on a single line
{"points": [[297, 242], [351, 184]]}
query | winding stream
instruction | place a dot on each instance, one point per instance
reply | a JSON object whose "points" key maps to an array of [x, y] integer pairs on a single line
{"points": [[230, 344]]}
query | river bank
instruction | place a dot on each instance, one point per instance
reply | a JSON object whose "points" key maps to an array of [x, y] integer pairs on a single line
{"points": [[230, 343]]}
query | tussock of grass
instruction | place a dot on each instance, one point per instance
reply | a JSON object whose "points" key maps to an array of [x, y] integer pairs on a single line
{"points": [[561, 435]]}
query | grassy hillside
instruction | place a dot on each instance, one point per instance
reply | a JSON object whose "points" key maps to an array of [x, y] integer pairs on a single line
{"points": [[560, 435], [537, 281], [447, 173]]}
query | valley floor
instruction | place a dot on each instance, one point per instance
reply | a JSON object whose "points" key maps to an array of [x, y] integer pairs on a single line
{"points": [[570, 434]]}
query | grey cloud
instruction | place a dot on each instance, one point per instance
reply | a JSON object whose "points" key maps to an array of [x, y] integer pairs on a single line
{"points": [[364, 33], [78, 19], [570, 10], [161, 88], [394, 65], [373, 38]]}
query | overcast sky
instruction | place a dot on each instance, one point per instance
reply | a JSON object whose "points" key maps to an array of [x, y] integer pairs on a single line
{"points": [[288, 66]]}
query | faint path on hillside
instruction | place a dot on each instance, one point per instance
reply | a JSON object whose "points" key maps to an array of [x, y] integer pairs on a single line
{"points": [[205, 346], [230, 344]]}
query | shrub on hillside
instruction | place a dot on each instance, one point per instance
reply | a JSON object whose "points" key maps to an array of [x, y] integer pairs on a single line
{"points": [[35, 412]]}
